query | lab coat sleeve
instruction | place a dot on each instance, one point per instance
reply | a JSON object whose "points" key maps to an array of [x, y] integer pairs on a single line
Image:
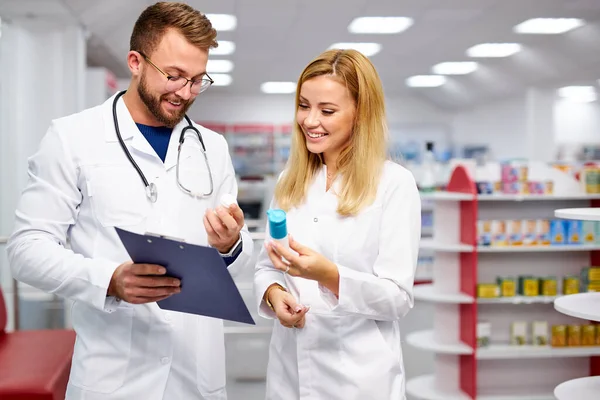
{"points": [[265, 275], [37, 250], [229, 185], [387, 293]]}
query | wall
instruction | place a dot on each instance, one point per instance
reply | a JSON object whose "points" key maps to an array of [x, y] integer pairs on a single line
{"points": [[500, 125], [577, 122]]}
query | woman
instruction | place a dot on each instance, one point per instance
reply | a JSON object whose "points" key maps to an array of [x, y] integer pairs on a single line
{"points": [[354, 222]]}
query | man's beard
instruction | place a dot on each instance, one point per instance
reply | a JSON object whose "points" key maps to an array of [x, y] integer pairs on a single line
{"points": [[153, 104]]}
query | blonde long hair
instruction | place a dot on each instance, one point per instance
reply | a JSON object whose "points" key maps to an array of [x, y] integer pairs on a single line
{"points": [[360, 163]]}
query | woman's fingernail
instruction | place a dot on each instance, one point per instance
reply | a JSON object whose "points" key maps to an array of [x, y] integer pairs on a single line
{"points": [[298, 309]]}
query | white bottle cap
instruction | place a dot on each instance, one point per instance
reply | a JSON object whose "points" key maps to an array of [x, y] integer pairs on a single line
{"points": [[227, 200]]}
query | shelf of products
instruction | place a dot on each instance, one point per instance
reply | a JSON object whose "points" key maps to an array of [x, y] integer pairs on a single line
{"points": [[583, 305], [502, 225], [425, 340], [431, 294]]}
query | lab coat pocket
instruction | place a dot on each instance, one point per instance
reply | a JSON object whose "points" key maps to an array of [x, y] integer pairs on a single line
{"points": [[210, 359], [359, 237], [102, 350], [117, 195]]}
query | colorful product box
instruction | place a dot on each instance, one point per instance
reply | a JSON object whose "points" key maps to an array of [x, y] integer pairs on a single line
{"points": [[530, 232], [589, 274], [499, 233], [559, 336], [574, 335], [557, 232], [484, 332], [549, 187], [508, 287], [488, 290], [588, 335], [515, 232], [484, 233], [518, 333], [529, 286], [549, 286], [588, 231], [574, 231], [544, 232], [570, 284], [540, 333]]}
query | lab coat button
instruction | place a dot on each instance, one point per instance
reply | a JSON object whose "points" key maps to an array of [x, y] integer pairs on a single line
{"points": [[165, 360], [167, 317], [316, 219]]}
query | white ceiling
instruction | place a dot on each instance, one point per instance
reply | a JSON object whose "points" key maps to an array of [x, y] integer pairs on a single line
{"points": [[275, 39]]}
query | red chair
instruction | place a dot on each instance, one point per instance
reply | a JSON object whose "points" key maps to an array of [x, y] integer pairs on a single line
{"points": [[34, 365]]}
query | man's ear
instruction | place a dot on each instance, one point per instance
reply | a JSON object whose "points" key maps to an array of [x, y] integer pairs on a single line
{"points": [[134, 62]]}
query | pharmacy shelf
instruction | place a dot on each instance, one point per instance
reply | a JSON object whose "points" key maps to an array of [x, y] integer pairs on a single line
{"points": [[538, 249], [429, 244], [580, 389], [447, 196], [518, 300], [507, 351], [586, 214], [517, 397], [424, 340], [424, 388], [450, 196], [431, 294], [522, 197], [581, 305]]}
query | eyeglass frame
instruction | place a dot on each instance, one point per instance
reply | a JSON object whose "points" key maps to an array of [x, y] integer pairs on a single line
{"points": [[170, 77]]}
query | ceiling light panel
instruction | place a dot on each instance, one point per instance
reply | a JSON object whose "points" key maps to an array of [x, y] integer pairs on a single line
{"points": [[426, 81], [225, 48], [493, 50], [455, 68], [548, 26], [278, 87], [223, 22], [380, 25], [580, 94], [221, 79], [219, 66], [368, 49]]}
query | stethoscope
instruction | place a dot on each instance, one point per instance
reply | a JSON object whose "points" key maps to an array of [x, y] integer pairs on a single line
{"points": [[151, 190]]}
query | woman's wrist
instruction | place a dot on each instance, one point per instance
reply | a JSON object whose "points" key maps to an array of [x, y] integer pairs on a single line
{"points": [[331, 278]]}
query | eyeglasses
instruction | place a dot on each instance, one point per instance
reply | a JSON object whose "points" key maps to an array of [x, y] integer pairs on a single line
{"points": [[175, 83]]}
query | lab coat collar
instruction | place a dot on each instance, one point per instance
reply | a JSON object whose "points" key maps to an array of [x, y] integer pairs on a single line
{"points": [[129, 130]]}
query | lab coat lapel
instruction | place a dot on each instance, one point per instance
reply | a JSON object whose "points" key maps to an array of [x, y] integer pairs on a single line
{"points": [[129, 130]]}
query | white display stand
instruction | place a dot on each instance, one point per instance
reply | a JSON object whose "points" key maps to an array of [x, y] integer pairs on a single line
{"points": [[500, 370], [581, 305], [589, 214]]}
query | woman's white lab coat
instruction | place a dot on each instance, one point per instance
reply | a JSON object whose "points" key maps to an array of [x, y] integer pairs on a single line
{"points": [[81, 186], [349, 349]]}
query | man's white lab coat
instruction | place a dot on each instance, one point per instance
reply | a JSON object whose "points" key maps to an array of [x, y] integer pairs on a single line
{"points": [[81, 185]]}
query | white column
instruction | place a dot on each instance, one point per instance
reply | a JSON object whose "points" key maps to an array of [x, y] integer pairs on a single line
{"points": [[541, 142], [42, 70]]}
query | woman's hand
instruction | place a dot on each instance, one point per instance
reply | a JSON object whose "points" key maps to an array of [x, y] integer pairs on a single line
{"points": [[307, 263], [289, 313]]}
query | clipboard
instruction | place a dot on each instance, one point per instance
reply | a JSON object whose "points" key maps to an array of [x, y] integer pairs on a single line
{"points": [[207, 287]]}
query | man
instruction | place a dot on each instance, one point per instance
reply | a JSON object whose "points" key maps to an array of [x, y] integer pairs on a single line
{"points": [[119, 167]]}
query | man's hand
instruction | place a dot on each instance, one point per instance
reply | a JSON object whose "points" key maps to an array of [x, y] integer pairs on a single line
{"points": [[288, 311], [223, 226], [142, 283]]}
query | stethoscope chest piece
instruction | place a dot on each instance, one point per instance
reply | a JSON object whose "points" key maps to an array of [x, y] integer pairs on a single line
{"points": [[152, 192]]}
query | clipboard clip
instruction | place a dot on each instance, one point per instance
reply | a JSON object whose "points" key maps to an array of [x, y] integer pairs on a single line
{"points": [[158, 235]]}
